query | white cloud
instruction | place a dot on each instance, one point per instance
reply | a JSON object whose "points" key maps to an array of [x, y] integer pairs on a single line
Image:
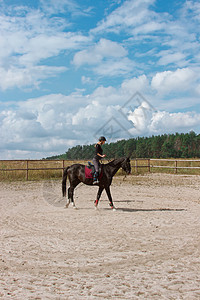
{"points": [[163, 121], [53, 7], [191, 9], [86, 80], [88, 115], [136, 84], [141, 23], [147, 121], [30, 36], [25, 77], [38, 127], [177, 81], [106, 96], [95, 54], [58, 6], [129, 15], [107, 58], [115, 67], [169, 57], [27, 39], [149, 27], [43, 46], [140, 117], [48, 125]]}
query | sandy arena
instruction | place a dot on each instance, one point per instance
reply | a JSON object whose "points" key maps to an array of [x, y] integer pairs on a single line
{"points": [[148, 249]]}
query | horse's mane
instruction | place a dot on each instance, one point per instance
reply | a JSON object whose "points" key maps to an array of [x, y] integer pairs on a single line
{"points": [[115, 161]]}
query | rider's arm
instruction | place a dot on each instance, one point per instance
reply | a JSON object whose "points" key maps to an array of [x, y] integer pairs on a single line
{"points": [[101, 155]]}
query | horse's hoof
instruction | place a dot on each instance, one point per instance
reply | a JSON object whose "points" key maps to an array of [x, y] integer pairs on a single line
{"points": [[67, 205], [114, 209], [96, 204]]}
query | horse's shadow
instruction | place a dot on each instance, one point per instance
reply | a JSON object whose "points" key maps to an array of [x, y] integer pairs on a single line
{"points": [[149, 209], [126, 209]]}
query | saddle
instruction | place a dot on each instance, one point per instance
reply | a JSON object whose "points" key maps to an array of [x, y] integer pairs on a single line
{"points": [[90, 170]]}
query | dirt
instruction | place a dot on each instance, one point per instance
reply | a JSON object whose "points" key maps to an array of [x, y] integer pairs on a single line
{"points": [[149, 248]]}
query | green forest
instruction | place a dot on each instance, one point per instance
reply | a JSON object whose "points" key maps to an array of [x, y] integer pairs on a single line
{"points": [[178, 145]]}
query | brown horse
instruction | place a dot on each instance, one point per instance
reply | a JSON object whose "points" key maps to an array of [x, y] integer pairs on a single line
{"points": [[76, 174]]}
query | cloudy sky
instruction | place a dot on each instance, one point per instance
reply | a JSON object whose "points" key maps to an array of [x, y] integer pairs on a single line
{"points": [[72, 70]]}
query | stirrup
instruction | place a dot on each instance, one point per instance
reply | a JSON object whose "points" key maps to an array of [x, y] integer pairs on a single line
{"points": [[96, 181]]}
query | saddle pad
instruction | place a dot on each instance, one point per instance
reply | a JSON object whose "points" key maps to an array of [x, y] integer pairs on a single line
{"points": [[89, 173]]}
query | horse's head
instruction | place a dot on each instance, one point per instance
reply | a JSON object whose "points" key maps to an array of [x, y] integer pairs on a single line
{"points": [[126, 165]]}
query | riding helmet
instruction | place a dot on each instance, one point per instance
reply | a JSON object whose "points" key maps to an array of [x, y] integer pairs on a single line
{"points": [[102, 138]]}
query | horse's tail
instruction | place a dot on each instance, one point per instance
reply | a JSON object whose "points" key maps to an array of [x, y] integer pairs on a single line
{"points": [[64, 180]]}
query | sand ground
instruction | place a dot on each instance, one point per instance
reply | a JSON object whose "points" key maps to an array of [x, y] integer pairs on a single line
{"points": [[148, 249]]}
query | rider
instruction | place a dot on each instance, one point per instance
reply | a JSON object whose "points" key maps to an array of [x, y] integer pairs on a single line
{"points": [[98, 156]]}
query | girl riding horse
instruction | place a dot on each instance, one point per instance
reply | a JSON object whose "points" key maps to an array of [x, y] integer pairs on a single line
{"points": [[98, 156]]}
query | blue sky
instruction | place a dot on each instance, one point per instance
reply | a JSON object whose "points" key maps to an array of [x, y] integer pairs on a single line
{"points": [[73, 70]]}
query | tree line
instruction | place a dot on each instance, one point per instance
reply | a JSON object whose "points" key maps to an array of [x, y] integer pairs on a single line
{"points": [[178, 145]]}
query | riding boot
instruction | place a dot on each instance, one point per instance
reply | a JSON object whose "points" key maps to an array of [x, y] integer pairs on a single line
{"points": [[96, 178]]}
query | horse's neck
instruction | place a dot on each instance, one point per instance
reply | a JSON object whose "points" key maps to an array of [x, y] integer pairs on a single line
{"points": [[115, 166]]}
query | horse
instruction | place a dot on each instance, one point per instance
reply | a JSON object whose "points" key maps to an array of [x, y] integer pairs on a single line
{"points": [[76, 175]]}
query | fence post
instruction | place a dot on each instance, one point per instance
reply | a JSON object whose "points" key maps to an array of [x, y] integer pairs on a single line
{"points": [[136, 165], [63, 166], [175, 170], [149, 168], [27, 170]]}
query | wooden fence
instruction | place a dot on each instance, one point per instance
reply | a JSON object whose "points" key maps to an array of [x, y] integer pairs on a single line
{"points": [[173, 164], [177, 164], [27, 165], [136, 164]]}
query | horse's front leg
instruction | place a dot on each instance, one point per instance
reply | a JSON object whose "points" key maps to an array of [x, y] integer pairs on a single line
{"points": [[110, 197], [98, 196]]}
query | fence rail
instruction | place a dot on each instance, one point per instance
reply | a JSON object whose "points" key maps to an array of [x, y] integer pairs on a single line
{"points": [[136, 164], [175, 161], [27, 167]]}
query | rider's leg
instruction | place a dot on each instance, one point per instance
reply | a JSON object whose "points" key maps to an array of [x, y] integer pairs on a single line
{"points": [[96, 174]]}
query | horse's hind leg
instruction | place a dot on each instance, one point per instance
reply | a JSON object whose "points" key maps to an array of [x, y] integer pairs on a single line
{"points": [[68, 198], [71, 196], [73, 183]]}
